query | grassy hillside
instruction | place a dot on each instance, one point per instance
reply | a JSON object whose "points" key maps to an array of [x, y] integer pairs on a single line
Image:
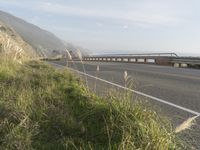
{"points": [[12, 45], [45, 108], [42, 41]]}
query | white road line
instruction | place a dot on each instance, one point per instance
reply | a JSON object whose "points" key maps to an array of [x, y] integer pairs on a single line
{"points": [[137, 92]]}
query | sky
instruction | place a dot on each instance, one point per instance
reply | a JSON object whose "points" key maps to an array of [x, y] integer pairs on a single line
{"points": [[117, 26]]}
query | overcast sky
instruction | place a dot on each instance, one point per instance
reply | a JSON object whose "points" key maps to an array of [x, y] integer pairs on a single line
{"points": [[117, 25]]}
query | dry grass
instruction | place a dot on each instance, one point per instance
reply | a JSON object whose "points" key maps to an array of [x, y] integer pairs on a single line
{"points": [[45, 108], [12, 46], [186, 124]]}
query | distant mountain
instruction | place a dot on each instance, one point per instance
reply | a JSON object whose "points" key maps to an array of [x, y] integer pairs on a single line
{"points": [[42, 41]]}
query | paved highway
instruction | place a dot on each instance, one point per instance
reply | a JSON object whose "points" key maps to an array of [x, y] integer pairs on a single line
{"points": [[176, 85], [180, 86]]}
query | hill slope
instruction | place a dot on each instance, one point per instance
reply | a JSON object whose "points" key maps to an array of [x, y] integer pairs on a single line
{"points": [[46, 108], [42, 41], [12, 45]]}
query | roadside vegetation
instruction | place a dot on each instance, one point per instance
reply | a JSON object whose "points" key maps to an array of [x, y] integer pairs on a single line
{"points": [[46, 108]]}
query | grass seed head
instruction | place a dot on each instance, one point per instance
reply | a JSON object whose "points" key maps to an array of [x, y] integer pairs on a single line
{"points": [[186, 124], [69, 55], [98, 68], [79, 54], [125, 75]]}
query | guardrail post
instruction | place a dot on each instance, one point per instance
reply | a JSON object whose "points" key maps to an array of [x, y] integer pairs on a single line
{"points": [[163, 61]]}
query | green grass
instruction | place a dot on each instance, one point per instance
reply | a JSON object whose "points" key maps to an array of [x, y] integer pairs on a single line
{"points": [[46, 108]]}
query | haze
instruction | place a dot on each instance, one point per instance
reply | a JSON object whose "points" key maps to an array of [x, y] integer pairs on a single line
{"points": [[117, 26]]}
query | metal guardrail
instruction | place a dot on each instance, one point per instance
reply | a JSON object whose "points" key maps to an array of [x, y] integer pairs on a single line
{"points": [[186, 62], [169, 59], [146, 54], [153, 58]]}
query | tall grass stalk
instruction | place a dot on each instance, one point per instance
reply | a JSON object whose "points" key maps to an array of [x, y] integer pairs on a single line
{"points": [[79, 54], [68, 57], [97, 72], [186, 124], [125, 78]]}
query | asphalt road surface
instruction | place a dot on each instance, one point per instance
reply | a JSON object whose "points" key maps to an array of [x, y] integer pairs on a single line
{"points": [[176, 85], [180, 86]]}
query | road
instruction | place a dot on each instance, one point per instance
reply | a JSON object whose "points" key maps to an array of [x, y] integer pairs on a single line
{"points": [[176, 85], [180, 86]]}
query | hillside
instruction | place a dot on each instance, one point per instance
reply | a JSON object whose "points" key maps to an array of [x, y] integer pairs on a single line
{"points": [[46, 108], [42, 41], [12, 45]]}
